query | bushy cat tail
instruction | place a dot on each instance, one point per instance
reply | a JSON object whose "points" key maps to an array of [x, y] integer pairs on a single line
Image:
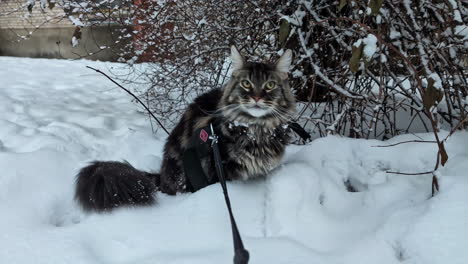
{"points": [[105, 185]]}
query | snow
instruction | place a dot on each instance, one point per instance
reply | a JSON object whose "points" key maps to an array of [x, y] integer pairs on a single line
{"points": [[76, 21], [296, 18], [370, 45], [378, 19], [57, 116], [358, 43], [456, 12], [462, 30], [437, 81], [75, 41], [394, 34]]}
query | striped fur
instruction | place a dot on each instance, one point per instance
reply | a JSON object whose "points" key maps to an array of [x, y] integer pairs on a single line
{"points": [[250, 114]]}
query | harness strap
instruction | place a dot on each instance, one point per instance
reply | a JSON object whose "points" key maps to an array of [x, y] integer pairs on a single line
{"points": [[194, 171], [198, 147], [300, 131]]}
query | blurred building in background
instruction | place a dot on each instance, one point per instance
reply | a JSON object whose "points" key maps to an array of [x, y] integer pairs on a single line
{"points": [[42, 29]]}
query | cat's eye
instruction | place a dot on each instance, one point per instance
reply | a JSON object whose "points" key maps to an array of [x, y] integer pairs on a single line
{"points": [[270, 85], [246, 84]]}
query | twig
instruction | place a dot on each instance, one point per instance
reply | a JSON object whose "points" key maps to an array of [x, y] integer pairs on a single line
{"points": [[455, 128], [134, 96], [410, 173], [404, 142], [435, 184]]}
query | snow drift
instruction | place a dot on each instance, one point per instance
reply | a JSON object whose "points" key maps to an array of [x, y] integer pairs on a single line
{"points": [[56, 116]]}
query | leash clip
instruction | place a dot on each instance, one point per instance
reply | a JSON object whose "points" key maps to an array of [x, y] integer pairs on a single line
{"points": [[213, 136]]}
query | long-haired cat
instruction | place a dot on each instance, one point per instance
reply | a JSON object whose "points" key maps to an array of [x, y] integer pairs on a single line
{"points": [[250, 115]]}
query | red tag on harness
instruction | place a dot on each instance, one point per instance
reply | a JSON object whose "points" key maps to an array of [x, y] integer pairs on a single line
{"points": [[203, 135]]}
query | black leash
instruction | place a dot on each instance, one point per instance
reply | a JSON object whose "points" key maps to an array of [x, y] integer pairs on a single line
{"points": [[241, 255], [199, 147]]}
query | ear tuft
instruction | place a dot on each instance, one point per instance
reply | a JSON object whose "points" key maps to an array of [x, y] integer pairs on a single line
{"points": [[237, 59], [283, 64]]}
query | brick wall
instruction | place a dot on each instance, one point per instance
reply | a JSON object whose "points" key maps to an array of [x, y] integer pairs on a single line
{"points": [[14, 15]]}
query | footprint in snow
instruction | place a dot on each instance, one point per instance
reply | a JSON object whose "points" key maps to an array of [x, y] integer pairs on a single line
{"points": [[65, 215]]}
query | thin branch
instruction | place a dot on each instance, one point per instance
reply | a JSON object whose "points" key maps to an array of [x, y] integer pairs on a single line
{"points": [[404, 142], [410, 173], [134, 96]]}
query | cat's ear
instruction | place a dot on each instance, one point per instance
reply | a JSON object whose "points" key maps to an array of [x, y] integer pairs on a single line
{"points": [[237, 59], [283, 64]]}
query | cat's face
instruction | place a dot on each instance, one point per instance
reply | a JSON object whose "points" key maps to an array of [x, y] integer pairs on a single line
{"points": [[258, 92]]}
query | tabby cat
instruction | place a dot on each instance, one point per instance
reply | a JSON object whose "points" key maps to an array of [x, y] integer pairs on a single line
{"points": [[250, 115]]}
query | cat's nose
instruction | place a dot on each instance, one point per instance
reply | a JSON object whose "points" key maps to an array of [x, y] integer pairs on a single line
{"points": [[256, 98]]}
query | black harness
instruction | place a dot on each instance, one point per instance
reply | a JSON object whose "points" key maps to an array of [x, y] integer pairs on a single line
{"points": [[200, 146]]}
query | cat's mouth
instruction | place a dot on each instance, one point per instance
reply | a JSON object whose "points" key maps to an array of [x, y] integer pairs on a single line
{"points": [[258, 107], [257, 110]]}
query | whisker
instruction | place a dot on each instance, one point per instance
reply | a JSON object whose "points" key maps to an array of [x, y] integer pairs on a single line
{"points": [[219, 110], [227, 110], [280, 115], [283, 110]]}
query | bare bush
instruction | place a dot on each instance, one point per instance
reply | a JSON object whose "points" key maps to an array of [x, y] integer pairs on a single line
{"points": [[364, 69], [359, 67]]}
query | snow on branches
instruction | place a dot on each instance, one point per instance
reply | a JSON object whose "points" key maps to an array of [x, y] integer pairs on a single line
{"points": [[359, 65]]}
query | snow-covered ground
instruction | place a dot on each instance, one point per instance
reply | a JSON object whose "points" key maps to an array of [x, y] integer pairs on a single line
{"points": [[55, 116]]}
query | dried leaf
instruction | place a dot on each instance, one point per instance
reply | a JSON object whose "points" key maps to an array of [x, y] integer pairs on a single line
{"points": [[284, 31], [77, 33], [375, 6], [343, 3], [355, 58], [76, 37], [432, 96], [443, 154]]}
